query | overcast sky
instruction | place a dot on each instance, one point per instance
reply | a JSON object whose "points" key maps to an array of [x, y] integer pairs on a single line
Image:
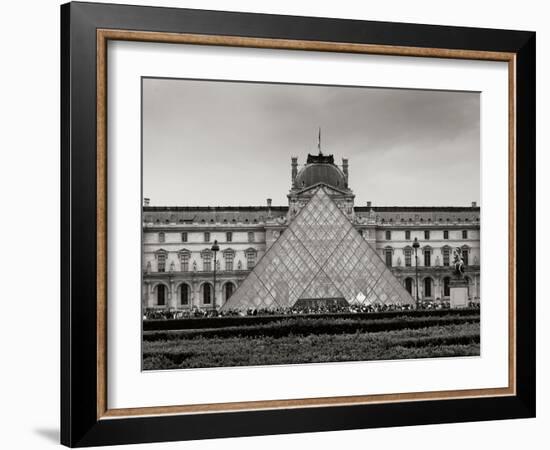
{"points": [[219, 143]]}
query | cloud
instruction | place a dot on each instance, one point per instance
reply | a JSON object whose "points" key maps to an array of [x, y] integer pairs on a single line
{"points": [[230, 143]]}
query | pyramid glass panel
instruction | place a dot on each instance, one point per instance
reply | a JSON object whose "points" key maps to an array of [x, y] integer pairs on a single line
{"points": [[320, 256]]}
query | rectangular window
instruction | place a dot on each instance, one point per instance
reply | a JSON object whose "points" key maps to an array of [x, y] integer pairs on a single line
{"points": [[388, 235], [161, 264], [184, 236], [229, 236], [250, 236], [161, 237], [446, 256], [408, 234], [184, 263], [206, 236], [250, 260], [388, 258], [229, 261], [408, 257], [427, 258], [445, 234], [465, 256], [426, 234], [207, 262], [464, 234]]}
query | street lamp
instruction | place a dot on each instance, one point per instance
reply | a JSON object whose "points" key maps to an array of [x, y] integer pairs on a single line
{"points": [[416, 245], [215, 248]]}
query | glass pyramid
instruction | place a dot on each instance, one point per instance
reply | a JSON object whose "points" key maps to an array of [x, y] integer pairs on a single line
{"points": [[320, 256]]}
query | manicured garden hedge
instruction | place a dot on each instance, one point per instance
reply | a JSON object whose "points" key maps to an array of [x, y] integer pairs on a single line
{"points": [[304, 326], [238, 321], [431, 342]]}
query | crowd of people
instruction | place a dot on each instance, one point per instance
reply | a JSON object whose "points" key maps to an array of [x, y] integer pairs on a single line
{"points": [[166, 314]]}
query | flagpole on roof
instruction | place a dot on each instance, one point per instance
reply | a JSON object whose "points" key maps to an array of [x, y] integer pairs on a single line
{"points": [[319, 142]]}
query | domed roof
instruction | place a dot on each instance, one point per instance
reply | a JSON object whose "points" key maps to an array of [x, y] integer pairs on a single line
{"points": [[320, 171]]}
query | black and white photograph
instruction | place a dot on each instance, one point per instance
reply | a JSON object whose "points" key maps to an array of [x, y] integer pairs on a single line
{"points": [[292, 224]]}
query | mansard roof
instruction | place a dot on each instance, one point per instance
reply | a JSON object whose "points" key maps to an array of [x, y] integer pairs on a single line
{"points": [[210, 214], [429, 214], [258, 214]]}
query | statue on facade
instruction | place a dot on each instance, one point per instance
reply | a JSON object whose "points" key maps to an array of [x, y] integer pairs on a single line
{"points": [[194, 266], [239, 265], [172, 266], [458, 262], [437, 261]]}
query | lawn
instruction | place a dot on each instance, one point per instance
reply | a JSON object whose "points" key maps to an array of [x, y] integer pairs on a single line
{"points": [[311, 340]]}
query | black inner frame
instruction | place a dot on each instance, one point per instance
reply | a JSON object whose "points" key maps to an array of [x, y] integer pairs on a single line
{"points": [[79, 424]]}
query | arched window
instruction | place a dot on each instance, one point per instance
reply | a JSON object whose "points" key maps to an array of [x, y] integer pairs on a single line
{"points": [[207, 293], [184, 294], [161, 295], [229, 288], [427, 287], [409, 285], [447, 287]]}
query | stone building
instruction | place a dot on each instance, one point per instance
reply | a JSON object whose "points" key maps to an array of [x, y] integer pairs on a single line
{"points": [[178, 261]]}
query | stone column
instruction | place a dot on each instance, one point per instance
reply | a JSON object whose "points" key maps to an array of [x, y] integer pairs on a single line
{"points": [[145, 294], [437, 289], [150, 296], [195, 294], [172, 297]]}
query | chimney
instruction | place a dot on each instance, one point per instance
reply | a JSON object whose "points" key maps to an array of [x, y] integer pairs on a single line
{"points": [[268, 207], [369, 204], [294, 166], [474, 204], [345, 169], [146, 201]]}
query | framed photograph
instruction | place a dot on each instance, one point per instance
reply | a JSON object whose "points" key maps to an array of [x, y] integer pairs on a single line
{"points": [[277, 224]]}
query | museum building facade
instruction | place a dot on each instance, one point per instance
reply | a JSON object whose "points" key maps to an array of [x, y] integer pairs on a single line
{"points": [[183, 269]]}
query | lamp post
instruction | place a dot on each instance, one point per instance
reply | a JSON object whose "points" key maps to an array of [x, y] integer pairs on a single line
{"points": [[416, 245], [215, 248]]}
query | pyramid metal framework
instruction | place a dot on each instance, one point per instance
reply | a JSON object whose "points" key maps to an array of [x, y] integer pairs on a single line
{"points": [[319, 256]]}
